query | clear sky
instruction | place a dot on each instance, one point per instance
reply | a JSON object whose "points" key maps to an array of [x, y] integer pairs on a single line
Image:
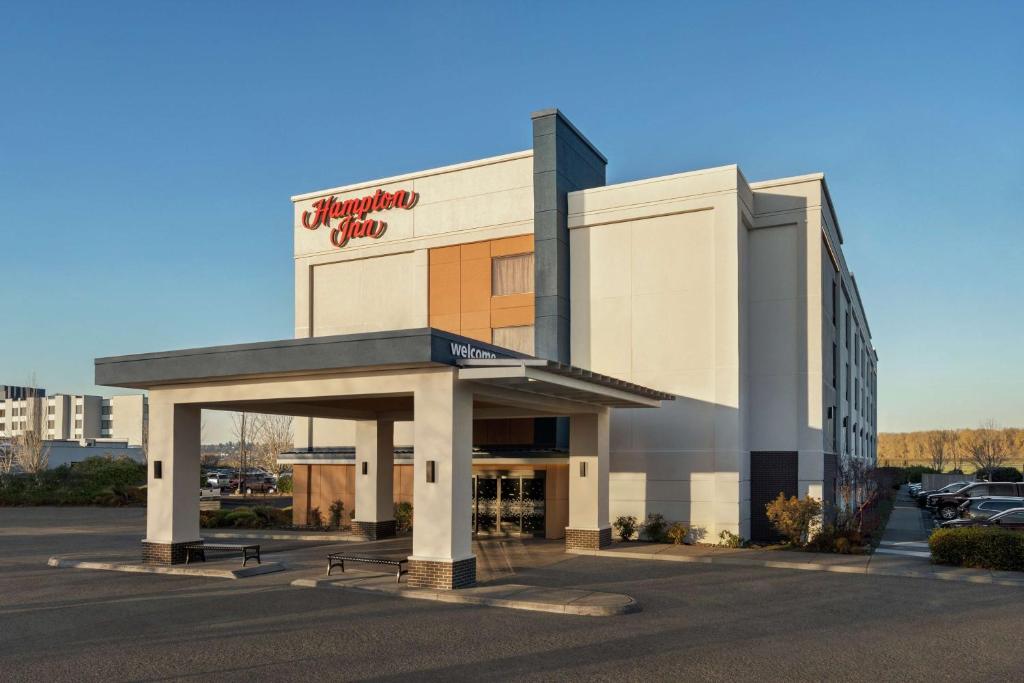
{"points": [[148, 151]]}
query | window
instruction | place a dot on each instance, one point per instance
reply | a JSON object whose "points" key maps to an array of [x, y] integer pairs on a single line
{"points": [[847, 382], [49, 425], [78, 424], [106, 410], [512, 275], [835, 365], [856, 394], [50, 410], [78, 409], [847, 330], [1015, 518], [518, 338], [835, 303]]}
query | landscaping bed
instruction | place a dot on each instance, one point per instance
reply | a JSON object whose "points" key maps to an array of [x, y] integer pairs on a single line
{"points": [[103, 481]]}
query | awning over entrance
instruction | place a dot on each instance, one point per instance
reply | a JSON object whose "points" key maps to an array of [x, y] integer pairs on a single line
{"points": [[484, 364]]}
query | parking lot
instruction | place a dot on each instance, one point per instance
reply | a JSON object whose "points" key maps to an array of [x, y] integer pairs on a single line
{"points": [[735, 623]]}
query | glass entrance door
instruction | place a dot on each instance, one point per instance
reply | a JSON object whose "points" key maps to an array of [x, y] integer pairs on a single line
{"points": [[485, 504], [508, 505]]}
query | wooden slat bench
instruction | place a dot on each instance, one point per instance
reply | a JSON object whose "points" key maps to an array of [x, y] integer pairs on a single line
{"points": [[339, 559], [198, 551]]}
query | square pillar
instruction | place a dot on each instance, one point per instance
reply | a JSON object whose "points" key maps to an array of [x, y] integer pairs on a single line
{"points": [[442, 555], [172, 498], [375, 459], [588, 482]]}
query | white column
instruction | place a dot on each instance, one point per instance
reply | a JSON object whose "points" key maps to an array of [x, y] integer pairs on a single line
{"points": [[172, 506], [375, 455], [443, 414], [588, 480]]}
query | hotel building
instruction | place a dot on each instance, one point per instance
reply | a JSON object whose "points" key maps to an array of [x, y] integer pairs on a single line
{"points": [[517, 347]]}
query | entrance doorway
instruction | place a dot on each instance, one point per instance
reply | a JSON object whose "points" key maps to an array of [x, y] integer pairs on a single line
{"points": [[508, 504]]}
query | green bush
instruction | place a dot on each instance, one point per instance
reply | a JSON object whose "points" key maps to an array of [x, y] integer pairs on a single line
{"points": [[912, 474], [625, 526], [285, 483], [403, 517], [999, 474], [982, 547], [727, 539], [99, 480], [260, 517], [315, 518], [336, 512], [677, 533], [654, 527]]}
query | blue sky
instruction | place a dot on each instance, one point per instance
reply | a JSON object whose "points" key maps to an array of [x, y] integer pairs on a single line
{"points": [[148, 150]]}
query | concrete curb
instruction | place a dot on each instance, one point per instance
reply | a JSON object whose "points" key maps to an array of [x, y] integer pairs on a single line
{"points": [[282, 536], [509, 596], [176, 570], [932, 572]]}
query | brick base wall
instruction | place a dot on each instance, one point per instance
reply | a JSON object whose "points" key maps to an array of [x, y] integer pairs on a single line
{"points": [[587, 539], [374, 530], [163, 553], [442, 575]]}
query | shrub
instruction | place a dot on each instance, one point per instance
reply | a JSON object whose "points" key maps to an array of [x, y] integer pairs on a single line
{"points": [[314, 518], [677, 533], [982, 547], [336, 511], [912, 474], [727, 539], [625, 526], [242, 518], [999, 474], [793, 517], [654, 527], [285, 484], [403, 517], [99, 480]]}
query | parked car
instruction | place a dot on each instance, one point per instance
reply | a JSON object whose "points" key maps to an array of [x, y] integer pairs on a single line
{"points": [[217, 480], [255, 485], [922, 496], [983, 508], [1012, 519], [945, 505]]}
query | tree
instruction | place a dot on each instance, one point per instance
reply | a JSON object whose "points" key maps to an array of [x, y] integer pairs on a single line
{"points": [[273, 437], [31, 451], [936, 442], [985, 446], [243, 424], [8, 457]]}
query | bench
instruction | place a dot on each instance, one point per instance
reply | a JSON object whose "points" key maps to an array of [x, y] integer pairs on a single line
{"points": [[339, 559], [198, 551]]}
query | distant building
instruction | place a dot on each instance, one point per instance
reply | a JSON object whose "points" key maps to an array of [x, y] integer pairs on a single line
{"points": [[65, 452], [10, 391], [72, 417]]}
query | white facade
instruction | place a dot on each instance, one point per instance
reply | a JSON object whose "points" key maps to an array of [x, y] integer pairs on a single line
{"points": [[76, 417]]}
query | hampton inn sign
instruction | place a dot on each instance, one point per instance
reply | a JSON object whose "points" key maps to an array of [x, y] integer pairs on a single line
{"points": [[352, 212]]}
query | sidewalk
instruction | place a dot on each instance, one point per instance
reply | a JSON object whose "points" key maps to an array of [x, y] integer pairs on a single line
{"points": [[902, 552], [508, 595]]}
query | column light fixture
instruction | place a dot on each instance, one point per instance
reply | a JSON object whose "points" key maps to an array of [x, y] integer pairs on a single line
{"points": [[431, 471], [583, 468]]}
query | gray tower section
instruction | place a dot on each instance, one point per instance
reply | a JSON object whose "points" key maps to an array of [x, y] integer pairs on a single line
{"points": [[563, 161]]}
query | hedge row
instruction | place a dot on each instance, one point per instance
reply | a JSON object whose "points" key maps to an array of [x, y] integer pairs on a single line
{"points": [[983, 547]]}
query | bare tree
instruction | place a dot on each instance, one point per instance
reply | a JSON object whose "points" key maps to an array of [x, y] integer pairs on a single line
{"points": [[31, 451], [8, 457], [935, 442], [984, 446], [243, 431], [273, 437]]}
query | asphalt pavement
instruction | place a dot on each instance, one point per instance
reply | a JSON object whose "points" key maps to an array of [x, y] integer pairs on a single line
{"points": [[699, 622]]}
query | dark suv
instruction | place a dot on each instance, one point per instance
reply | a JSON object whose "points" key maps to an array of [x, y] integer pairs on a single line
{"points": [[945, 505]]}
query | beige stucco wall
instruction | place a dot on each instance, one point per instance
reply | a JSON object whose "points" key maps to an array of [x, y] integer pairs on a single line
{"points": [[382, 284], [657, 299]]}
